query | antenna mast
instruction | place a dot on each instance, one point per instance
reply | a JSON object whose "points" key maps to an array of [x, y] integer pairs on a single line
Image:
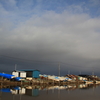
{"points": [[15, 67]]}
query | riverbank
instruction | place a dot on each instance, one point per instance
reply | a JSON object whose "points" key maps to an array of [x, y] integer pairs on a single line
{"points": [[35, 82]]}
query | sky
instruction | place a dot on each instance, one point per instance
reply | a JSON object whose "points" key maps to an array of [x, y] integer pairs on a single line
{"points": [[46, 34]]}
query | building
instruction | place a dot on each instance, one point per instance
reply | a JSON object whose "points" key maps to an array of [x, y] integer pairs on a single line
{"points": [[17, 73], [32, 73]]}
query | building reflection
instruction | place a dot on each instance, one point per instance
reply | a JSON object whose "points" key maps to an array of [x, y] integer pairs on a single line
{"points": [[18, 90], [34, 90]]}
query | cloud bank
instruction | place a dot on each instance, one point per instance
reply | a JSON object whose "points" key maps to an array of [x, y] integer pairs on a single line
{"points": [[38, 32]]}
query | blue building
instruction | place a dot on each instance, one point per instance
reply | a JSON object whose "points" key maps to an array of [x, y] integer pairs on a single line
{"points": [[32, 73]]}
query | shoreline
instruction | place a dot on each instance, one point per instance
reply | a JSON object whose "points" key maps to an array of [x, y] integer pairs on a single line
{"points": [[46, 83]]}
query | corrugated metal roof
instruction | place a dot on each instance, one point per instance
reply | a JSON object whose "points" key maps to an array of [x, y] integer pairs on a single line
{"points": [[18, 71], [28, 70]]}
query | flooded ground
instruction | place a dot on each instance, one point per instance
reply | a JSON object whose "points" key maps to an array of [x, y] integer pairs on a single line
{"points": [[68, 92]]}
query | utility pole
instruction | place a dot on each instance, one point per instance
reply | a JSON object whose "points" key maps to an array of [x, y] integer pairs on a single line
{"points": [[68, 71], [15, 67], [80, 72], [59, 69], [93, 73]]}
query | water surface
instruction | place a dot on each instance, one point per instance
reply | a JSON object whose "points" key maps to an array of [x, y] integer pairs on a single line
{"points": [[68, 92]]}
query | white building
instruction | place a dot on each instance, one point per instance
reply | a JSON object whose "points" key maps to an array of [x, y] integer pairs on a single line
{"points": [[21, 74]]}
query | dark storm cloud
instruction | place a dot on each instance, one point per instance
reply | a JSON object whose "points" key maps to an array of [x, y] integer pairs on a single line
{"points": [[42, 41]]}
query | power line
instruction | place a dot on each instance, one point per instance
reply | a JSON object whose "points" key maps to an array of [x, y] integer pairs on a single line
{"points": [[27, 59], [50, 62]]}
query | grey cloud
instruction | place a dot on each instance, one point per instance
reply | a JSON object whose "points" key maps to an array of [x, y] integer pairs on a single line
{"points": [[52, 37], [94, 2]]}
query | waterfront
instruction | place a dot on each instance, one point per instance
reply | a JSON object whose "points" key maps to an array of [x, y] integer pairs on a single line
{"points": [[68, 92]]}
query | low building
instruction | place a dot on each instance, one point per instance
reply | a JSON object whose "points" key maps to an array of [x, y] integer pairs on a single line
{"points": [[17, 73], [32, 73]]}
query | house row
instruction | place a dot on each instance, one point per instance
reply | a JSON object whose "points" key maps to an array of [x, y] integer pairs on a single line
{"points": [[31, 73], [71, 77]]}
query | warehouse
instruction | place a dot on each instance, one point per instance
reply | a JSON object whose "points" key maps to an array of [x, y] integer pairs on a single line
{"points": [[31, 73], [27, 73]]}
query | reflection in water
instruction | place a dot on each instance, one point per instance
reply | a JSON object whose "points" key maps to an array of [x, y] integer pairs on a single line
{"points": [[46, 92], [32, 92]]}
